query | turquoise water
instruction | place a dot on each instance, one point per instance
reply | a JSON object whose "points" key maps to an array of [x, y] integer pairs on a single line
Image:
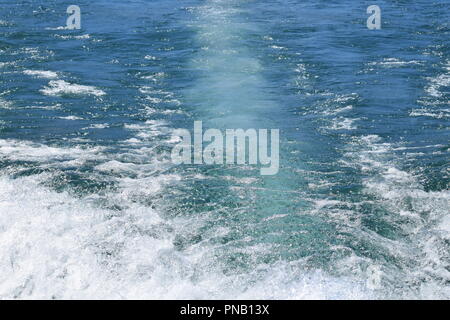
{"points": [[91, 208]]}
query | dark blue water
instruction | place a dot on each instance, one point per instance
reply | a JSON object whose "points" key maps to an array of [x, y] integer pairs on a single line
{"points": [[91, 208]]}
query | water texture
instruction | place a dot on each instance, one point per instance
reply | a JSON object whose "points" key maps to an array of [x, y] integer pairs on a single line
{"points": [[358, 210]]}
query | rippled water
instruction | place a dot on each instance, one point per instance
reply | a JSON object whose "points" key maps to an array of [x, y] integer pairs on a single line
{"points": [[87, 209]]}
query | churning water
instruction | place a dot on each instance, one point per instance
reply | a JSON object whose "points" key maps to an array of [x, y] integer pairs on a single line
{"points": [[359, 208]]}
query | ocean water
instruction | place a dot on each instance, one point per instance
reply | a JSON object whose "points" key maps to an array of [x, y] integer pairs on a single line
{"points": [[90, 209]]}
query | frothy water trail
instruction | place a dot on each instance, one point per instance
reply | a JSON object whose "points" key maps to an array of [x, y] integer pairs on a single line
{"points": [[87, 252], [88, 209], [61, 87], [229, 88], [243, 225]]}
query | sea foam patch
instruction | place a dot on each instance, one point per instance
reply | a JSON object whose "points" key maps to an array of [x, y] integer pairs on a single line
{"points": [[62, 247], [61, 87], [41, 74], [419, 214], [16, 150]]}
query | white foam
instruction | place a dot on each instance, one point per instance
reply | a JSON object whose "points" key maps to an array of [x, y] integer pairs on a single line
{"points": [[438, 114], [37, 53], [155, 77], [41, 74], [16, 150], [149, 128], [394, 63], [99, 126], [4, 104], [53, 245], [60, 87], [71, 118], [57, 28], [400, 193], [437, 83], [81, 37], [343, 124]]}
